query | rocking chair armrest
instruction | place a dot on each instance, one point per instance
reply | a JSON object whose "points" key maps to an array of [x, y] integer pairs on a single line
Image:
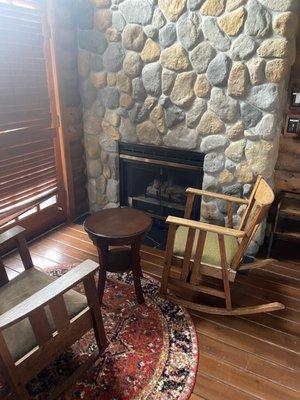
{"points": [[11, 233], [232, 199], [48, 293], [205, 227]]}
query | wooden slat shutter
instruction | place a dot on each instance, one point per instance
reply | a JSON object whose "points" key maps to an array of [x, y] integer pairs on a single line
{"points": [[28, 171]]}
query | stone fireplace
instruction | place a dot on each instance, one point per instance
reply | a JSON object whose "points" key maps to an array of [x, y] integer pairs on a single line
{"points": [[206, 76]]}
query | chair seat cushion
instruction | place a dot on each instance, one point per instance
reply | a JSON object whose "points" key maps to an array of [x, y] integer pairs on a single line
{"points": [[19, 337], [211, 252]]}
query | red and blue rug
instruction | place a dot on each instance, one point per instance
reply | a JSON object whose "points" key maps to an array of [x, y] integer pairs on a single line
{"points": [[153, 351]]}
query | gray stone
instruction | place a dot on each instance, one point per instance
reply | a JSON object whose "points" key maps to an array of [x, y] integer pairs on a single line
{"points": [[264, 96], [210, 183], [268, 127], [189, 29], [98, 108], [107, 143], [213, 33], [127, 130], [181, 137], [138, 91], [258, 21], [158, 19], [91, 123], [168, 80], [151, 76], [230, 165], [88, 93], [247, 189], [224, 106], [137, 11], [94, 168], [122, 112], [167, 35], [213, 162], [111, 96], [94, 41], [213, 142], [250, 115], [132, 64], [118, 21], [84, 14], [112, 190], [151, 31], [195, 113], [96, 63], [233, 190], [139, 113], [201, 56], [164, 100], [113, 57], [243, 47], [194, 4], [173, 115], [281, 5], [251, 134], [218, 70]]}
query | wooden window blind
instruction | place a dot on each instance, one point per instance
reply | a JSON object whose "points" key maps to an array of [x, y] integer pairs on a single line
{"points": [[28, 172]]}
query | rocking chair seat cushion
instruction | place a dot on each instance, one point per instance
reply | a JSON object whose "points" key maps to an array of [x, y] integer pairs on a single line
{"points": [[19, 337], [211, 251]]}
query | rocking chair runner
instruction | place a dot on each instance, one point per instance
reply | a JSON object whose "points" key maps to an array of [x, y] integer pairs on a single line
{"points": [[204, 250]]}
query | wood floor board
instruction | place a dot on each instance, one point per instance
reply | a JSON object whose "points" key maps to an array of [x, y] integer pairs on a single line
{"points": [[241, 358]]}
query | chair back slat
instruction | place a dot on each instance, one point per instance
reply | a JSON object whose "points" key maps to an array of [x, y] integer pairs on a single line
{"points": [[59, 313], [3, 275], [40, 325], [196, 276], [187, 254]]}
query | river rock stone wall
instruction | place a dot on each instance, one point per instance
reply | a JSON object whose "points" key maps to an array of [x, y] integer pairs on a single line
{"points": [[201, 75]]}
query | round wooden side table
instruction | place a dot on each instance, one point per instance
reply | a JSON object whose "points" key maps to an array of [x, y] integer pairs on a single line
{"points": [[119, 227]]}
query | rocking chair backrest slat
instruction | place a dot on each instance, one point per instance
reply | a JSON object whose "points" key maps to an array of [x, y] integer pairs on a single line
{"points": [[187, 254], [196, 276], [260, 201]]}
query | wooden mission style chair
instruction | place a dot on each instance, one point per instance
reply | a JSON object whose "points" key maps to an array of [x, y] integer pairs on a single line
{"points": [[207, 257], [41, 317]]}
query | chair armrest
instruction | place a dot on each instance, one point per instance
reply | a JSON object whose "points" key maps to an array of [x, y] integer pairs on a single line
{"points": [[220, 196], [11, 233], [205, 227], [48, 293]]}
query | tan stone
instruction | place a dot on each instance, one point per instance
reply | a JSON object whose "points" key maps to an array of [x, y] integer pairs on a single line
{"points": [[175, 58], [101, 184], [132, 64], [112, 35], [262, 156], [256, 67], [213, 7], [225, 177], [102, 19], [101, 3], [236, 131], [126, 101], [276, 70], [202, 86], [106, 171], [235, 150], [274, 48], [112, 117], [104, 157], [98, 79], [123, 83], [147, 133], [183, 91], [151, 51], [172, 9], [110, 130], [101, 199], [158, 118], [232, 23], [238, 79], [243, 173], [92, 147], [210, 124], [286, 24], [209, 211], [133, 37], [150, 102], [111, 79], [84, 58], [233, 4]]}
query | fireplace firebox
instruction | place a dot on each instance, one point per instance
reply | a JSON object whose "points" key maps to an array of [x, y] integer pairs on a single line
{"points": [[154, 179]]}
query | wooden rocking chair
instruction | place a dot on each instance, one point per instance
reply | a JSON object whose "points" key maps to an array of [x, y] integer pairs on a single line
{"points": [[204, 254]]}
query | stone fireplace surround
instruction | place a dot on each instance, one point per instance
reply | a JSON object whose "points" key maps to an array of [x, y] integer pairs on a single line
{"points": [[201, 75]]}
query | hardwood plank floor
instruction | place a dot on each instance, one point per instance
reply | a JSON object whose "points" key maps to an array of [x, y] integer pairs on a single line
{"points": [[253, 357]]}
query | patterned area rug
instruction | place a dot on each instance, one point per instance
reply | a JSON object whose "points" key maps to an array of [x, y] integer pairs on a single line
{"points": [[152, 355]]}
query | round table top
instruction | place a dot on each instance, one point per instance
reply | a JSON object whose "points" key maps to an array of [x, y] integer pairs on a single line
{"points": [[118, 223]]}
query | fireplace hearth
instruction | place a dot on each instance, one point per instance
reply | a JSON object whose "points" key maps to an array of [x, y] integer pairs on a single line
{"points": [[154, 179]]}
